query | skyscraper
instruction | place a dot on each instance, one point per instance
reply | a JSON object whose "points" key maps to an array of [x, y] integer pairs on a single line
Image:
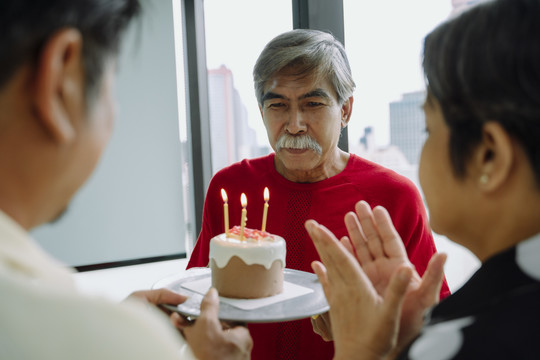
{"points": [[407, 125], [232, 139]]}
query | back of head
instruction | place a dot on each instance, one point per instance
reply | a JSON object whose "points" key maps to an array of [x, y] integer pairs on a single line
{"points": [[307, 52], [25, 26], [482, 66]]}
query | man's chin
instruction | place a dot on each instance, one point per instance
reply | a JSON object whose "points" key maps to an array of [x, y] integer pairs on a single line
{"points": [[299, 163]]}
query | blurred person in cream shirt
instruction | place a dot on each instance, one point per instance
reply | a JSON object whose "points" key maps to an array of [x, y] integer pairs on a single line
{"points": [[56, 115]]}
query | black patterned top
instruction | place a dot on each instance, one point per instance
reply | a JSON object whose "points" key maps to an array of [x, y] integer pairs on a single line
{"points": [[495, 315]]}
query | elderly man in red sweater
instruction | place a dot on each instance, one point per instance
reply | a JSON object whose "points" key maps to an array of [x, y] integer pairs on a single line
{"points": [[304, 87]]}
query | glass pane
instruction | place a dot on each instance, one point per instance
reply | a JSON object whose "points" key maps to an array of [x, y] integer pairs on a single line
{"points": [[384, 41], [233, 44], [134, 205]]}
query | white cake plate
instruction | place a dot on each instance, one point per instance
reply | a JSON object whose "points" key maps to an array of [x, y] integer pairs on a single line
{"points": [[302, 297]]}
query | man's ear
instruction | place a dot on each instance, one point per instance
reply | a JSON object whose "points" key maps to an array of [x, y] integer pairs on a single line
{"points": [[495, 157], [59, 84], [346, 111]]}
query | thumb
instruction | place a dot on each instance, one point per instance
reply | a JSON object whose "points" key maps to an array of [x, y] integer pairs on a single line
{"points": [[210, 304], [395, 292], [432, 280]]}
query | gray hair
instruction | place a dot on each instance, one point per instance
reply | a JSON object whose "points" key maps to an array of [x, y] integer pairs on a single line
{"points": [[308, 52]]}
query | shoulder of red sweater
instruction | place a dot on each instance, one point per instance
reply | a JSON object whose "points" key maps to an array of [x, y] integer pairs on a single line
{"points": [[363, 171], [358, 163], [260, 165]]}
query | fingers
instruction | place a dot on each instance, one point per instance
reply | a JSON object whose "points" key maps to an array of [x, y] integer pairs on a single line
{"points": [[379, 239], [208, 318], [210, 339], [165, 296], [331, 251], [159, 296], [240, 336], [320, 271], [371, 233], [210, 304], [430, 286], [357, 238], [179, 321], [392, 243], [341, 271], [395, 292], [321, 326], [347, 244], [231, 324], [321, 239]]}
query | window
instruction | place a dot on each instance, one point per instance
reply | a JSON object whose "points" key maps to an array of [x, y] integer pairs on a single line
{"points": [[136, 204]]}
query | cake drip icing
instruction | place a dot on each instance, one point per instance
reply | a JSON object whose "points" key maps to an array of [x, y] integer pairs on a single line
{"points": [[263, 251]]}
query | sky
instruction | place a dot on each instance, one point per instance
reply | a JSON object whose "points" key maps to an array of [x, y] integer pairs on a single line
{"points": [[383, 39]]}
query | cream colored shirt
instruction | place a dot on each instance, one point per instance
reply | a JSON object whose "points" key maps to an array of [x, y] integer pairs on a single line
{"points": [[43, 317]]}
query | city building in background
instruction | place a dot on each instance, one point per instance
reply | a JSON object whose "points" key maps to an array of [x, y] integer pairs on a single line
{"points": [[407, 124], [232, 137], [390, 156]]}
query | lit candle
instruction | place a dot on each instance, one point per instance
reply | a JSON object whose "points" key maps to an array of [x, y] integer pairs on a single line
{"points": [[265, 211], [225, 211], [243, 201]]}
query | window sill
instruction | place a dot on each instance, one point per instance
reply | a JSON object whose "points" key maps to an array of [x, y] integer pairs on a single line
{"points": [[117, 283]]}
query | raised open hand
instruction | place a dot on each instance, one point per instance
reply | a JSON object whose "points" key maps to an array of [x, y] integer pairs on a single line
{"points": [[364, 323], [378, 248]]}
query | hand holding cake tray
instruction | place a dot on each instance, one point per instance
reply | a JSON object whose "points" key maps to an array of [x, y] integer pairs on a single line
{"points": [[247, 267], [302, 297]]}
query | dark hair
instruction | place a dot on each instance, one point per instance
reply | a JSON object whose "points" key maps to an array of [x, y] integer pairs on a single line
{"points": [[482, 66], [25, 26], [309, 52]]}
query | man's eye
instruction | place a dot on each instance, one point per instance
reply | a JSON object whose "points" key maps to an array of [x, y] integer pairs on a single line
{"points": [[276, 105], [314, 104]]}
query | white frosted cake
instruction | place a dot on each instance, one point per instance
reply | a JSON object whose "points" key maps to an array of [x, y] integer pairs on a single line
{"points": [[249, 268]]}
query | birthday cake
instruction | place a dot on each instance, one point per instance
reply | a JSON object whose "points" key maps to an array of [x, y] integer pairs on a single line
{"points": [[249, 266]]}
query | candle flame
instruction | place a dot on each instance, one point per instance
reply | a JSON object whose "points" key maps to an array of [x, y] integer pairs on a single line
{"points": [[266, 194], [243, 200], [223, 195]]}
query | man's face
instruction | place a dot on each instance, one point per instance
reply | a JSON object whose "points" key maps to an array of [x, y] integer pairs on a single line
{"points": [[303, 121]]}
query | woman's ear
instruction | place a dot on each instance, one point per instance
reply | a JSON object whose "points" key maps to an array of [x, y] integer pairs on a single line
{"points": [[59, 93], [495, 157], [346, 111]]}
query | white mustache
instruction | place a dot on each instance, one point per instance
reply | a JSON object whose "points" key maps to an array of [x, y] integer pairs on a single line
{"points": [[287, 141]]}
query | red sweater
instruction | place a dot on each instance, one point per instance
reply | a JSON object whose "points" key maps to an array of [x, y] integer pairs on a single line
{"points": [[290, 205]]}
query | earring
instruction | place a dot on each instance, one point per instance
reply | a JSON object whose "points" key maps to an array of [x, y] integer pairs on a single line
{"points": [[484, 179]]}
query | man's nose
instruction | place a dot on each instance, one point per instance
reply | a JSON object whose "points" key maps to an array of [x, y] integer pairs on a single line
{"points": [[296, 123]]}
